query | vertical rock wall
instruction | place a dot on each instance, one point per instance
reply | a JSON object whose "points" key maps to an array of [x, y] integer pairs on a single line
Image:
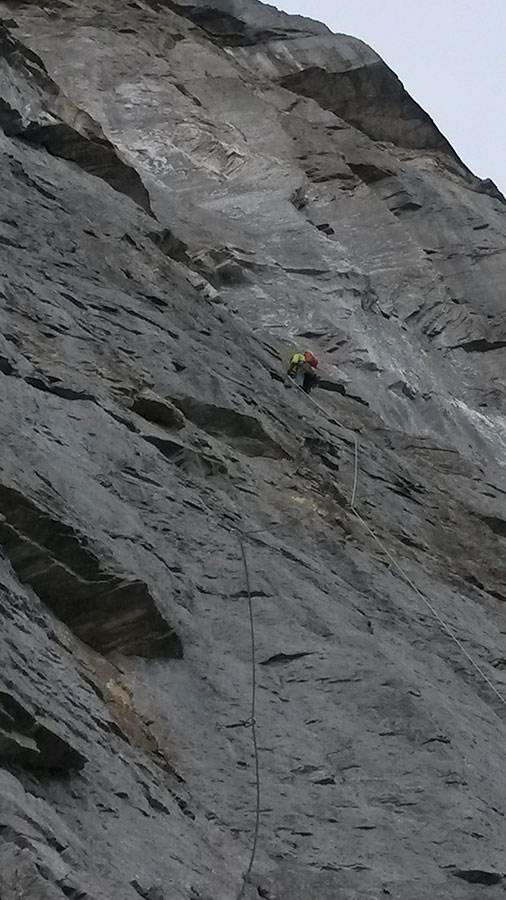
{"points": [[190, 191]]}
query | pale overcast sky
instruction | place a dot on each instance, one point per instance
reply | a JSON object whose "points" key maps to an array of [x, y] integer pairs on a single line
{"points": [[450, 56]]}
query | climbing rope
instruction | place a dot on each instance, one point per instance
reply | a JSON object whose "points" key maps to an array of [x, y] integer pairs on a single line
{"points": [[355, 441], [252, 720], [434, 611], [445, 627]]}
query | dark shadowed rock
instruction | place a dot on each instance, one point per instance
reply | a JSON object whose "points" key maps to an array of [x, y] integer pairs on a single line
{"points": [[92, 153], [27, 742], [60, 126], [244, 432], [158, 409], [372, 98], [477, 876], [108, 612]]}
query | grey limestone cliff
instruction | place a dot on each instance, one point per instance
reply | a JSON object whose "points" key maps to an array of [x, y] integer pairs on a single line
{"points": [[189, 192]]}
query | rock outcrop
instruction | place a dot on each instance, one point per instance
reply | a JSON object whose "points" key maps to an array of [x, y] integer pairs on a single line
{"points": [[191, 190]]}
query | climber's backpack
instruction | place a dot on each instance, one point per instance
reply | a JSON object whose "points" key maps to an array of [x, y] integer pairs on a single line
{"points": [[311, 359]]}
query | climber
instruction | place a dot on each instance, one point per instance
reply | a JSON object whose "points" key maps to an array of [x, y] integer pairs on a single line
{"points": [[302, 368]]}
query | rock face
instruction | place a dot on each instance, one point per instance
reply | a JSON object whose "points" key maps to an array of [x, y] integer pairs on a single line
{"points": [[190, 191]]}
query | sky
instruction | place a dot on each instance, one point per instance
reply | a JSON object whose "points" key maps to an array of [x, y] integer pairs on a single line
{"points": [[449, 54]]}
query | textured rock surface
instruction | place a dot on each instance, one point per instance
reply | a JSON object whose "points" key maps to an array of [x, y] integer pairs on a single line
{"points": [[189, 191]]}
